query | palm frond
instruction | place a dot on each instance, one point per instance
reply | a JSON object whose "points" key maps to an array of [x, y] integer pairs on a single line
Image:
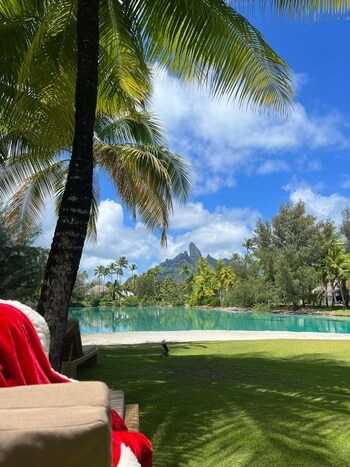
{"points": [[210, 41], [36, 90], [147, 178], [92, 226], [124, 73], [298, 9], [27, 184], [136, 127]]}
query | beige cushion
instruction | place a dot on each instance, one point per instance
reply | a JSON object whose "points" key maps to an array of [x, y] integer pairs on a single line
{"points": [[55, 425]]}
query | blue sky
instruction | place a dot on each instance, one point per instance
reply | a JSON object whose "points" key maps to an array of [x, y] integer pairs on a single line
{"points": [[244, 165]]}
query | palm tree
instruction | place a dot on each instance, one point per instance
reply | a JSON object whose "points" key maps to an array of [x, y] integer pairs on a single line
{"points": [[248, 244], [206, 41], [226, 279], [110, 271], [132, 268], [114, 269], [115, 288], [123, 264], [104, 272], [185, 269], [99, 273], [119, 272], [205, 286], [187, 284]]}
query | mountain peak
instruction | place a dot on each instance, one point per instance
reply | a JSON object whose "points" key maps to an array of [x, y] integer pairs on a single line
{"points": [[171, 267], [195, 254]]}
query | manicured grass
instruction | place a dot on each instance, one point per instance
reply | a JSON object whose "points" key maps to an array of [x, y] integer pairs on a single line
{"points": [[339, 312], [262, 404]]}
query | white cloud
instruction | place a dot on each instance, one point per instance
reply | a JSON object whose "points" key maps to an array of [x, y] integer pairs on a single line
{"points": [[321, 206], [346, 184], [189, 216], [299, 80], [273, 166], [218, 233], [305, 164], [115, 239], [221, 140], [47, 226]]}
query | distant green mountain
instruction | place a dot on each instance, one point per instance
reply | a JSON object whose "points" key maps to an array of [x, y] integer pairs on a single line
{"points": [[171, 267]]}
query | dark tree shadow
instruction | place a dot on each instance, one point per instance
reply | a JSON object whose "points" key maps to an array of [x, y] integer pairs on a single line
{"points": [[245, 409]]}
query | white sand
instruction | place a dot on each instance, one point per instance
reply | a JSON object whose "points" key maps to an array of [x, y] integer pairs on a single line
{"points": [[124, 338]]}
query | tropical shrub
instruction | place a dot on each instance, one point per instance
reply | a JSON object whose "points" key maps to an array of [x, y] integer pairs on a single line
{"points": [[130, 301], [95, 300]]}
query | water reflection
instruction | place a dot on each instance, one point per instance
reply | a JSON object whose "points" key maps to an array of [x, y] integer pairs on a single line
{"points": [[109, 319]]}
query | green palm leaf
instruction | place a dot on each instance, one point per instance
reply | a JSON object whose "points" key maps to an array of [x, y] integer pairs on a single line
{"points": [[36, 181], [301, 8], [147, 177], [212, 43]]}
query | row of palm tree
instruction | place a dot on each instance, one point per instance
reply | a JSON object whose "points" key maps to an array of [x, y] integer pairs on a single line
{"points": [[114, 268], [67, 64], [209, 285]]}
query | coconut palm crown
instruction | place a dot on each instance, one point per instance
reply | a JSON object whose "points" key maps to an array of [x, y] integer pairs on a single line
{"points": [[129, 150]]}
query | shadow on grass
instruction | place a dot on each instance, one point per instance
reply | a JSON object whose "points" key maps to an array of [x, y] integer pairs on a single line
{"points": [[210, 405]]}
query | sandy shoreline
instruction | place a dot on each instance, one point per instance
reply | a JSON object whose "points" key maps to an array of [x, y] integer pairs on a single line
{"points": [[301, 311], [155, 337]]}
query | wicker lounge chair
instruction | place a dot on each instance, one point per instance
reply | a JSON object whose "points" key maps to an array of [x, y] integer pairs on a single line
{"points": [[74, 353]]}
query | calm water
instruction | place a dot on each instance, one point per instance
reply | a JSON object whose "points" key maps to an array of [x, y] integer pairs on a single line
{"points": [[109, 319]]}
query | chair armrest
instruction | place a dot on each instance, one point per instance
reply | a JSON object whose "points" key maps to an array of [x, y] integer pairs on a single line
{"points": [[55, 425]]}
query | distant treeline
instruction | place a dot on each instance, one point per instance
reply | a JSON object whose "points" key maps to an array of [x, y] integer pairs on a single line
{"points": [[293, 260]]}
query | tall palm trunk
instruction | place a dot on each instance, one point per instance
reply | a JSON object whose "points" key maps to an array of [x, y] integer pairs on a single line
{"points": [[70, 233]]}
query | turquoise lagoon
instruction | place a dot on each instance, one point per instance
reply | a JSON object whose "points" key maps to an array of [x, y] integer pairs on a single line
{"points": [[109, 319]]}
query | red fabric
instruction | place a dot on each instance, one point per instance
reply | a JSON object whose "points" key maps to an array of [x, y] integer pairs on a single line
{"points": [[22, 358], [23, 362], [117, 422], [138, 443]]}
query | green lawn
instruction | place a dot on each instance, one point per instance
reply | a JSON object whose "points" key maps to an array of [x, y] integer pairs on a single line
{"points": [[264, 403], [332, 312]]}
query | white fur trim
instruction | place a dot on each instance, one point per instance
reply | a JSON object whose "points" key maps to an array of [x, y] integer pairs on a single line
{"points": [[40, 326], [127, 457], [37, 320]]}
